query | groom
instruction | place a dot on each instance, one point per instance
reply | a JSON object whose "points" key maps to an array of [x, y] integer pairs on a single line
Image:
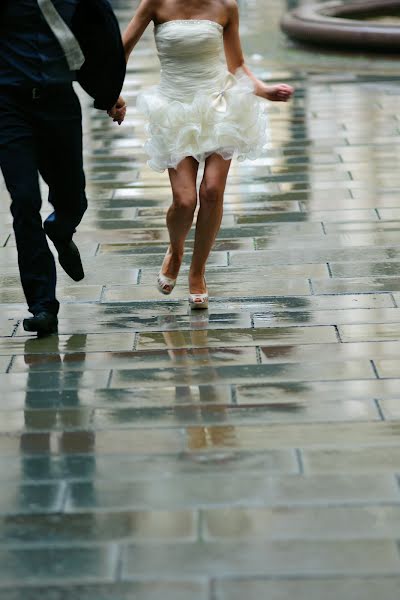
{"points": [[44, 46]]}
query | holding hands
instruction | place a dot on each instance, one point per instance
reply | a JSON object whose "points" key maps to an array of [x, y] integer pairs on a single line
{"points": [[118, 111]]}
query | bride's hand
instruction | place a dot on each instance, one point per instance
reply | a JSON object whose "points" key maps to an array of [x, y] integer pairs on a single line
{"points": [[276, 93]]}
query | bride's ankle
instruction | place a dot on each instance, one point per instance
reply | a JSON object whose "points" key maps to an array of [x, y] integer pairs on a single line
{"points": [[175, 256], [197, 282], [172, 263]]}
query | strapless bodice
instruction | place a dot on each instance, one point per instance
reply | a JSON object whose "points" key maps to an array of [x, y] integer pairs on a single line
{"points": [[192, 58]]}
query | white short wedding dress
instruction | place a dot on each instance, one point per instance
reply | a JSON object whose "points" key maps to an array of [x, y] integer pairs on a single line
{"points": [[199, 108]]}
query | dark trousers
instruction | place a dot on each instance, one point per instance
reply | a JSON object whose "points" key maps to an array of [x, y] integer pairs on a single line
{"points": [[41, 132]]}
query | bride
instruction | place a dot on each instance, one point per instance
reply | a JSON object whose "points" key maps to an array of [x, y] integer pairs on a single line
{"points": [[207, 107]]}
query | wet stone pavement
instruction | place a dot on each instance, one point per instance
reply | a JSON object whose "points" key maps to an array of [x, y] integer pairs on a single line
{"points": [[251, 451]]}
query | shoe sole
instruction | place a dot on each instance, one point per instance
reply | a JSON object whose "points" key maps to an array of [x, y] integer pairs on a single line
{"points": [[163, 292], [198, 305], [40, 330]]}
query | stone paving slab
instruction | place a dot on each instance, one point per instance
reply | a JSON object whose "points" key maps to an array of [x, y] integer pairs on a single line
{"points": [[132, 360], [329, 317], [374, 332], [30, 500], [5, 362], [292, 394], [246, 490], [68, 418], [390, 408], [309, 589], [133, 467], [155, 526], [153, 323], [68, 343], [336, 523], [216, 411], [301, 391], [105, 442], [359, 284], [53, 564], [327, 352], [164, 590], [248, 451], [352, 460], [235, 374], [270, 558], [81, 293], [275, 336]]}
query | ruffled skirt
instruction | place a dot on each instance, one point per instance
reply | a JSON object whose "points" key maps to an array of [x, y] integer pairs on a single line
{"points": [[228, 121]]}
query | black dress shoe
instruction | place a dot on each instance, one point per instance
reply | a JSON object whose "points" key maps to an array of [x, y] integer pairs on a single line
{"points": [[70, 259], [68, 254], [43, 323]]}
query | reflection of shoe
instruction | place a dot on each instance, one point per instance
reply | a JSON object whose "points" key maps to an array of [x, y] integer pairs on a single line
{"points": [[43, 323], [43, 345], [199, 320], [165, 284], [198, 301], [68, 256]]}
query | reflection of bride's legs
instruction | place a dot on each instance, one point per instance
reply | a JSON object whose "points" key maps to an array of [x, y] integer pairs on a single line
{"points": [[179, 355], [180, 214], [209, 218]]}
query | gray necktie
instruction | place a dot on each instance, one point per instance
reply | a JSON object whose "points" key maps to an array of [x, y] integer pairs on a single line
{"points": [[64, 35]]}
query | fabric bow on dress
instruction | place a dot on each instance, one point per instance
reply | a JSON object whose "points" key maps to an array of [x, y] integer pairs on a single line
{"points": [[219, 99]]}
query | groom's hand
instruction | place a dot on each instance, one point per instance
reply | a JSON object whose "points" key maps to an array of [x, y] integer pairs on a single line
{"points": [[118, 111]]}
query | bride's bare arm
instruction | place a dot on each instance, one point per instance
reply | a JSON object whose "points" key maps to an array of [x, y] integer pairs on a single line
{"points": [[143, 16], [235, 60]]}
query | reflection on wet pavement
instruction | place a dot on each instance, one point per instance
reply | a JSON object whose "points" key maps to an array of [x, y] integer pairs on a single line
{"points": [[251, 451]]}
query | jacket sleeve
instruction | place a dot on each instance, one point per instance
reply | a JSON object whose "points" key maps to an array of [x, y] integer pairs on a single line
{"points": [[103, 72]]}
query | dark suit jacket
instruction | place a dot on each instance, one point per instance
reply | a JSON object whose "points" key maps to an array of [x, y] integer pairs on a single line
{"points": [[97, 31]]}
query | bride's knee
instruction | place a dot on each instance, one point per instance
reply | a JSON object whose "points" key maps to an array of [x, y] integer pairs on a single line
{"points": [[185, 200], [211, 193]]}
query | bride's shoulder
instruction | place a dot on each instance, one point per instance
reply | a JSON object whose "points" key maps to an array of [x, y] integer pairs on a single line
{"points": [[231, 7], [232, 11], [231, 4], [148, 9], [150, 4]]}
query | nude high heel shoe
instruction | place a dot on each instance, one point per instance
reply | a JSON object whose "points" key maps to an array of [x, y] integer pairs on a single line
{"points": [[198, 301], [165, 284]]}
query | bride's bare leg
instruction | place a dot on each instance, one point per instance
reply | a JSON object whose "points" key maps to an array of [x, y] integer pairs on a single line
{"points": [[181, 212], [209, 218]]}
